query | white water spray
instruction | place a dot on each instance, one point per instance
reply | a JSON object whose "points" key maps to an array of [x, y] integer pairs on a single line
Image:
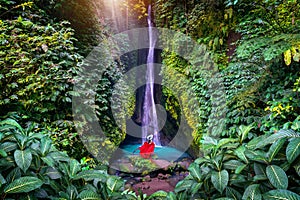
{"points": [[149, 118]]}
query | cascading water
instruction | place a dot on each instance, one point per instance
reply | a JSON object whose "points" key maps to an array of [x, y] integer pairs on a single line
{"points": [[149, 118]]}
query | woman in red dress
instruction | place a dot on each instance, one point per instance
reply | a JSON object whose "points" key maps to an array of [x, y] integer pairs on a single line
{"points": [[147, 149]]}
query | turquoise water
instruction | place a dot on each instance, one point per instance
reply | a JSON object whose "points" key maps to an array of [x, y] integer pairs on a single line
{"points": [[164, 152]]}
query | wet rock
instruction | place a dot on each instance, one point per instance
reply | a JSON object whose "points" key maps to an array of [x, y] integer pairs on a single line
{"points": [[184, 164], [187, 173], [146, 187], [160, 176], [112, 171], [167, 176], [182, 174], [138, 179], [147, 178], [163, 176], [162, 164], [153, 174]]}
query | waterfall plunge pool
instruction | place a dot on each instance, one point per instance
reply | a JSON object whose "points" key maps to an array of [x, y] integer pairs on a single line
{"points": [[162, 152]]}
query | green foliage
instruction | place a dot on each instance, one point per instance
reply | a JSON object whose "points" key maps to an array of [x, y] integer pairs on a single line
{"points": [[268, 18], [277, 177], [40, 62], [23, 184], [258, 79], [65, 138], [32, 166], [142, 165], [261, 90], [38, 66], [281, 194], [34, 10], [248, 167], [252, 192]]}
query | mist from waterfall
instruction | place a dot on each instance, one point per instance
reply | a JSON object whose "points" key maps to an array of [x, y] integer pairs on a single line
{"points": [[149, 118]]}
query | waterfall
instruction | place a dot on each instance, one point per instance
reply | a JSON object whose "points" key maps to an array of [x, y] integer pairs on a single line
{"points": [[149, 118]]}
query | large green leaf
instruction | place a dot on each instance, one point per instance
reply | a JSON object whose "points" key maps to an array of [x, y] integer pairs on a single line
{"points": [[3, 153], [293, 150], [207, 140], [48, 160], [53, 173], [63, 196], [252, 192], [59, 156], [281, 195], [257, 155], [225, 141], [45, 145], [232, 164], [158, 195], [240, 169], [243, 132], [277, 177], [2, 180], [183, 185], [88, 195], [232, 193], [64, 167], [217, 161], [21, 140], [6, 163], [199, 161], [90, 175], [240, 152], [72, 192], [74, 167], [23, 184], [259, 169], [13, 175], [171, 196], [196, 187], [8, 146], [253, 143], [275, 148], [13, 124], [194, 170], [23, 159], [260, 177], [114, 184], [220, 180], [56, 186], [279, 135]]}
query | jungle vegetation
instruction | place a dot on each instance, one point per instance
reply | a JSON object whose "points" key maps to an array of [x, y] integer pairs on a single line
{"points": [[247, 130]]}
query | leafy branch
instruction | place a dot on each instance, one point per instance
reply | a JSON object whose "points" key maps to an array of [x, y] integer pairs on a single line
{"points": [[23, 5]]}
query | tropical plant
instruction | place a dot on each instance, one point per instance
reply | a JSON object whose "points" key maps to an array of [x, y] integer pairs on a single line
{"points": [[236, 168], [38, 63], [31, 167]]}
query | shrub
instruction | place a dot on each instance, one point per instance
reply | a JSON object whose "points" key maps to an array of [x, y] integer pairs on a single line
{"points": [[266, 167], [31, 167]]}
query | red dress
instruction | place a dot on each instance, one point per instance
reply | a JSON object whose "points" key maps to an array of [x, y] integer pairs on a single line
{"points": [[146, 150]]}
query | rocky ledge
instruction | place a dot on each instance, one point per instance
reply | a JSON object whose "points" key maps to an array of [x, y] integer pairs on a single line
{"points": [[164, 176]]}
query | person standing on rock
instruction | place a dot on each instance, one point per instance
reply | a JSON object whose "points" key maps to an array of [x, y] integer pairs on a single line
{"points": [[147, 149]]}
